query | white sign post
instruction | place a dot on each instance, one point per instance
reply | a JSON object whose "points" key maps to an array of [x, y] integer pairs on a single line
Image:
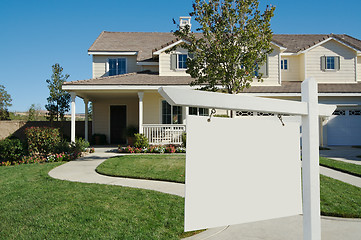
{"points": [[243, 197]]}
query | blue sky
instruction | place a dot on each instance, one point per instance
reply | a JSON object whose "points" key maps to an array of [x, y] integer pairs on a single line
{"points": [[37, 34]]}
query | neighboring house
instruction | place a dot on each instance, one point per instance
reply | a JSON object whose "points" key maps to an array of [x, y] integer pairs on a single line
{"points": [[129, 67]]}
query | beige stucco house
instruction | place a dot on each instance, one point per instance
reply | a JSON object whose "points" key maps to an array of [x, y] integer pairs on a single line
{"points": [[129, 67]]}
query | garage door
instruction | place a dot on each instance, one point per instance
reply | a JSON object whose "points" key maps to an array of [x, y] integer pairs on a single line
{"points": [[344, 127]]}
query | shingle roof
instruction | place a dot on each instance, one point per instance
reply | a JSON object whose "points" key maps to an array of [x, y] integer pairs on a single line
{"points": [[147, 42], [142, 42], [139, 78], [295, 87], [149, 78]]}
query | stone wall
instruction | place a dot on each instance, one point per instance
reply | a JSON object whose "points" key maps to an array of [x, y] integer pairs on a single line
{"points": [[17, 128]]}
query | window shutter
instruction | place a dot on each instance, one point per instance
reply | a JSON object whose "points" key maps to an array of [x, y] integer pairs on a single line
{"points": [[264, 68], [173, 61], [323, 63], [337, 63]]}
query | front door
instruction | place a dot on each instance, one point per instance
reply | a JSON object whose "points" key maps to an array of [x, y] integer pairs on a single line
{"points": [[118, 123]]}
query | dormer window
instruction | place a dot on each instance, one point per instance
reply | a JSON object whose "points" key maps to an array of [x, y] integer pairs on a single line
{"points": [[182, 61], [117, 66], [330, 63], [179, 61]]}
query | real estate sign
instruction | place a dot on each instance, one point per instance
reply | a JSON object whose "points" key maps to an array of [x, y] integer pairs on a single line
{"points": [[241, 170]]}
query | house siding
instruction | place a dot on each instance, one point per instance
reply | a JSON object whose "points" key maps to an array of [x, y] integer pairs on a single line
{"points": [[346, 74], [152, 108], [358, 68], [101, 113], [164, 64], [100, 64], [273, 71], [293, 71]]}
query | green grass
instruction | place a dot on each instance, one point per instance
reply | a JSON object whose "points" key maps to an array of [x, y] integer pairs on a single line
{"points": [[35, 206], [345, 167], [169, 167], [337, 198]]}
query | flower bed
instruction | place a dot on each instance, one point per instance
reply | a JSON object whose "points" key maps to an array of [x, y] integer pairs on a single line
{"points": [[152, 149]]}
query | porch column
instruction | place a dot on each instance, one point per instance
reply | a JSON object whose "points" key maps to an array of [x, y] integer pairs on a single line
{"points": [[86, 101], [141, 95], [72, 137]]}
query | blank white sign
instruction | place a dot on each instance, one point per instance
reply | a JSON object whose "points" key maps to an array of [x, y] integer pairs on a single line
{"points": [[241, 170]]}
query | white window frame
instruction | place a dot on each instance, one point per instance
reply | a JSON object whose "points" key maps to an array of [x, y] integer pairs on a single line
{"points": [[178, 55], [334, 63], [171, 113], [126, 65], [198, 111], [283, 64]]}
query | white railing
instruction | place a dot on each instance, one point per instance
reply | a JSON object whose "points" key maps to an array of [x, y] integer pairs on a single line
{"points": [[160, 134]]}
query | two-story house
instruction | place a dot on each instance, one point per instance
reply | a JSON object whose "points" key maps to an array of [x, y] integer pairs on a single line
{"points": [[129, 67]]}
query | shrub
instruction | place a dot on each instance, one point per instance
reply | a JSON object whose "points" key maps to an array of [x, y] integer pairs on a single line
{"points": [[11, 150], [184, 139], [42, 140], [141, 141], [63, 146], [80, 145]]}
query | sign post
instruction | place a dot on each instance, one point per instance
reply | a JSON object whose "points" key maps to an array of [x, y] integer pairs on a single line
{"points": [[308, 109]]}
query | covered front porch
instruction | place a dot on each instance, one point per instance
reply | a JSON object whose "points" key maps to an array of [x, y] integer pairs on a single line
{"points": [[117, 111]]}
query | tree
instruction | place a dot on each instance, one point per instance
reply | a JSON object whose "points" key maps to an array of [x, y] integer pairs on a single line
{"points": [[34, 112], [5, 102], [59, 100], [234, 42]]}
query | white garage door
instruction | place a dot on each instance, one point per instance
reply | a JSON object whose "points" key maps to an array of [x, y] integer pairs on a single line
{"points": [[344, 127]]}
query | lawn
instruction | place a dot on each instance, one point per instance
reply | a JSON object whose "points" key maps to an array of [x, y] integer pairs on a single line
{"points": [[168, 167], [35, 206], [345, 167], [337, 198]]}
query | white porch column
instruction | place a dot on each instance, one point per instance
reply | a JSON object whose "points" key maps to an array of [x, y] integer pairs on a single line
{"points": [[73, 96], [141, 95], [86, 101], [310, 162]]}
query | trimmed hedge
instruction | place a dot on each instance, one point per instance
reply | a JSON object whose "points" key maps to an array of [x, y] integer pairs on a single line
{"points": [[42, 140]]}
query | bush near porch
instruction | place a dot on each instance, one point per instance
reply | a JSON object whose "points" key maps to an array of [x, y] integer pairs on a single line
{"points": [[42, 144]]}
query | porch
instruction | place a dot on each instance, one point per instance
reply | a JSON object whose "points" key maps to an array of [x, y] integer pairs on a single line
{"points": [[114, 112]]}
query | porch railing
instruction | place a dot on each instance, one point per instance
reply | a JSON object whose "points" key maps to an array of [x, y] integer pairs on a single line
{"points": [[160, 134]]}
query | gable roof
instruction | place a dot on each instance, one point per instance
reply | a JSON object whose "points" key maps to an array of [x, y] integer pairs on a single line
{"points": [[145, 43]]}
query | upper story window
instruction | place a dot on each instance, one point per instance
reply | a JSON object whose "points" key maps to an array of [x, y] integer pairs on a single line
{"points": [[117, 66], [179, 61], [330, 63], [284, 64], [182, 61]]}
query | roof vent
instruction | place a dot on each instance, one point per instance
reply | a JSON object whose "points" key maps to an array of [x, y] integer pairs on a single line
{"points": [[183, 21]]}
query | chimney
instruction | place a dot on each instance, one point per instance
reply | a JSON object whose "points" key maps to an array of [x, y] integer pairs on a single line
{"points": [[183, 21]]}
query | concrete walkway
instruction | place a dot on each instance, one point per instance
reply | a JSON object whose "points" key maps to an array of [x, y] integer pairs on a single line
{"points": [[289, 228], [83, 170]]}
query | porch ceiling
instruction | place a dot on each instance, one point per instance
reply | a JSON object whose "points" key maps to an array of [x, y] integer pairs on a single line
{"points": [[107, 94]]}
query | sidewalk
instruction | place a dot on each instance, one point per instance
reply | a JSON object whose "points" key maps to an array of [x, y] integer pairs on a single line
{"points": [[289, 228]]}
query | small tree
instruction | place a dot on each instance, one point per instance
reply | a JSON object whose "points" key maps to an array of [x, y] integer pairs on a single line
{"points": [[5, 102], [34, 112], [234, 42], [59, 100]]}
